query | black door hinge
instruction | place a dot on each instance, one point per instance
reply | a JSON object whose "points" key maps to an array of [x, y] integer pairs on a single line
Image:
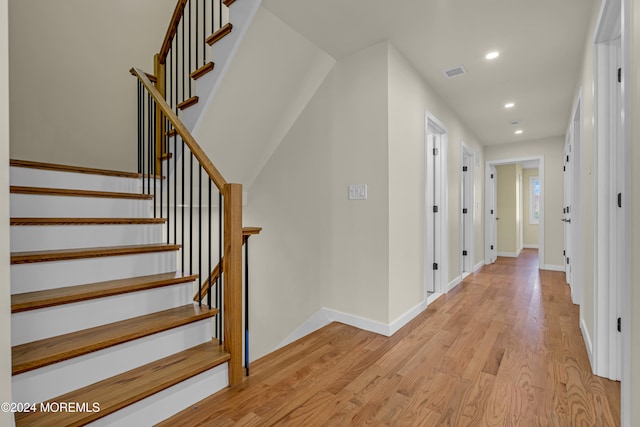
{"points": [[619, 200], [619, 324], [619, 75], [435, 151], [491, 176], [464, 253], [564, 169], [464, 210], [568, 209], [567, 158], [564, 253], [464, 169], [491, 211], [567, 260], [491, 247], [435, 208], [435, 265]]}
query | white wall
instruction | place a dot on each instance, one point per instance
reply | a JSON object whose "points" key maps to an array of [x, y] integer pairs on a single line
{"points": [[409, 99], [364, 125], [5, 289], [552, 150], [72, 98]]}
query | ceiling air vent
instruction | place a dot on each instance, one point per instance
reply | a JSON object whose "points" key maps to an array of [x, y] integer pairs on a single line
{"points": [[455, 72]]}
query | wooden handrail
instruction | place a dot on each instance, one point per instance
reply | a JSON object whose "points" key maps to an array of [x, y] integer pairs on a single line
{"points": [[171, 30], [246, 233], [186, 136]]}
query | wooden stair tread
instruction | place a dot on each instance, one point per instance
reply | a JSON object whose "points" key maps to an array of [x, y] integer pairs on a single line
{"points": [[188, 102], [43, 191], [80, 253], [206, 68], [218, 35], [85, 221], [36, 354], [129, 387], [52, 297], [70, 168]]}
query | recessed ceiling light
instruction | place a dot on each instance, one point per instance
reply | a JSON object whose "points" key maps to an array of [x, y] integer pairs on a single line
{"points": [[492, 55], [518, 132], [509, 105]]}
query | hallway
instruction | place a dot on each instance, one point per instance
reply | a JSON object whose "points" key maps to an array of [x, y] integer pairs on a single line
{"points": [[502, 348]]}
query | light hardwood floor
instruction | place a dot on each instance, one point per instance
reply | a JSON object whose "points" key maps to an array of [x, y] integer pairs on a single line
{"points": [[503, 348]]}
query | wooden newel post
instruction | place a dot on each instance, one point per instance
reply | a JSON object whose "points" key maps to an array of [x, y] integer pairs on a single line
{"points": [[232, 267], [158, 71]]}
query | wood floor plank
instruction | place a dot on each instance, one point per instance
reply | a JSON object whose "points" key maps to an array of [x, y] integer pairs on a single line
{"points": [[36, 354], [502, 348]]}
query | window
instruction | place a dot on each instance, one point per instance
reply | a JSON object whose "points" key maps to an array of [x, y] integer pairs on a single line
{"points": [[534, 200]]}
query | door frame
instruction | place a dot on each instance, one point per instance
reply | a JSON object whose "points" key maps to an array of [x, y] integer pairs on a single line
{"points": [[490, 165], [437, 193], [467, 199], [611, 352]]}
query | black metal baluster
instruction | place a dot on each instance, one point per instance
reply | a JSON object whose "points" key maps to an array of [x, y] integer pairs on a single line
{"points": [[188, 71], [246, 306], [209, 252], [191, 218], [175, 189], [152, 140], [139, 138], [182, 222], [196, 46], [219, 285], [149, 148], [200, 225], [168, 151]]}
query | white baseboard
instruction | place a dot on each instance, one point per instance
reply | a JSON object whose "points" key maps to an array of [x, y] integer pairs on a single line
{"points": [[552, 267], [434, 296], [478, 266], [530, 246], [509, 254], [587, 342], [455, 282], [324, 316]]}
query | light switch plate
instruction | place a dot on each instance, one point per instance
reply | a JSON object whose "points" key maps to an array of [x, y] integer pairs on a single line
{"points": [[358, 192]]}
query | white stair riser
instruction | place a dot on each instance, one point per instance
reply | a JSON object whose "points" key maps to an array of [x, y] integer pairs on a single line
{"points": [[53, 380], [52, 321], [42, 206], [163, 405], [30, 177], [49, 237], [59, 274]]}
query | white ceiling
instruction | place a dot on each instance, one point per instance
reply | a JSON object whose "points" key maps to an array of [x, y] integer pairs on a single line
{"points": [[541, 44]]}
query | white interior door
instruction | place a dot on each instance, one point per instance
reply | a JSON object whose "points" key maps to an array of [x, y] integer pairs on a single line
{"points": [[467, 214], [492, 206], [566, 210]]}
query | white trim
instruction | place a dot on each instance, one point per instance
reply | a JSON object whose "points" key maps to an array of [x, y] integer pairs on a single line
{"points": [[530, 246], [509, 254], [455, 282], [432, 297], [478, 266], [433, 126], [552, 267], [587, 340], [324, 316]]}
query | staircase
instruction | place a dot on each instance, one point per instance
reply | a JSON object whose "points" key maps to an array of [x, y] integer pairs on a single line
{"points": [[101, 318], [104, 264]]}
